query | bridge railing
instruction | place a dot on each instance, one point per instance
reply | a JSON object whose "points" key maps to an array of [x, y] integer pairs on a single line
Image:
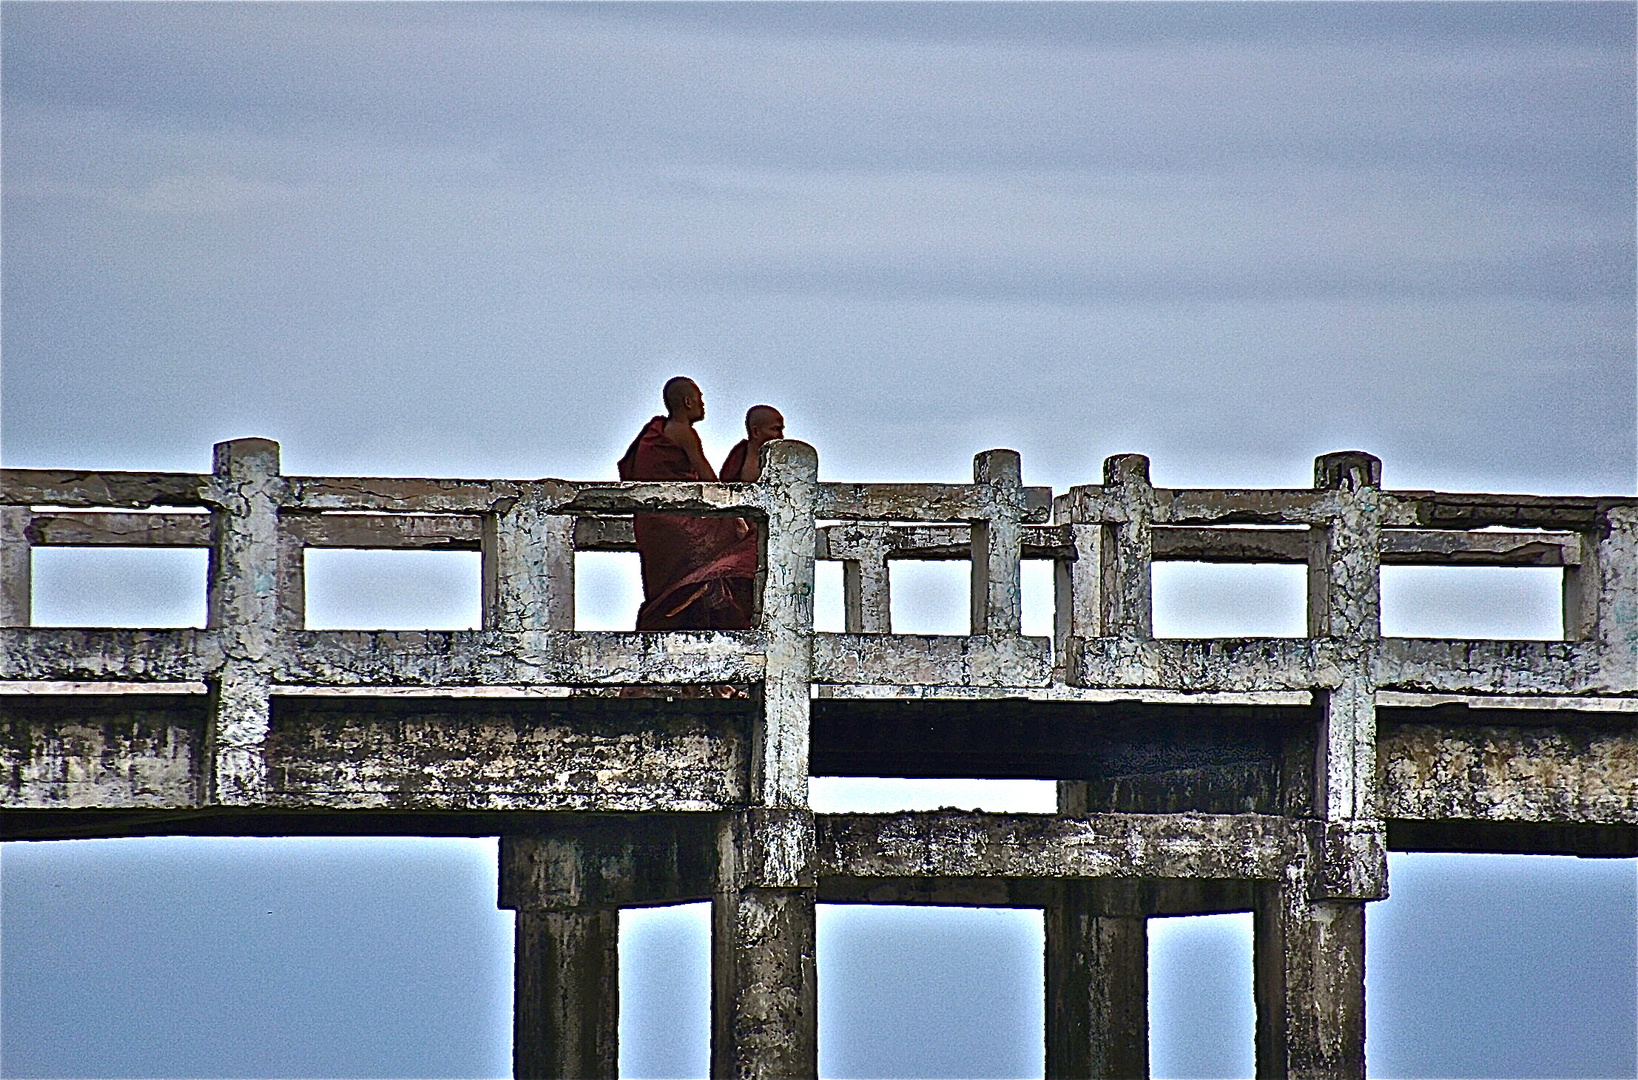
{"points": [[1102, 539]]}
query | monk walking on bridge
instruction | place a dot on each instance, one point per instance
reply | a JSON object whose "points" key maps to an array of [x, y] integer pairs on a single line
{"points": [[698, 572]]}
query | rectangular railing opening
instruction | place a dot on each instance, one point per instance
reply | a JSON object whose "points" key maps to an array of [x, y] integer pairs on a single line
{"points": [[352, 589], [1037, 585], [1202, 1017], [1473, 602], [608, 590], [1213, 600], [930, 991], [829, 603], [931, 597], [119, 586]]}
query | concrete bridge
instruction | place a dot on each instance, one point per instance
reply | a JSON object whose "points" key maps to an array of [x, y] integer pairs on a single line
{"points": [[1269, 775]]}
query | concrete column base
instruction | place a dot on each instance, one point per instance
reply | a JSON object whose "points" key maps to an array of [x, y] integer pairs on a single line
{"points": [[1309, 960], [1097, 987], [566, 1009]]}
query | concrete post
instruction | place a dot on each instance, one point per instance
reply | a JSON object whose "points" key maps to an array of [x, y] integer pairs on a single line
{"points": [[16, 566], [528, 568], [566, 964], [1097, 983], [867, 597], [1601, 596], [790, 484], [242, 602], [1077, 582], [1309, 972], [1344, 572], [997, 544], [292, 581], [764, 985], [1128, 588]]}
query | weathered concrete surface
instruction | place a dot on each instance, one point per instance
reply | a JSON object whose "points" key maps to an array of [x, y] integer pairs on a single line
{"points": [[1308, 960], [581, 862], [1097, 987], [536, 754], [566, 994], [112, 751], [956, 844], [404, 754], [764, 977], [1560, 774], [932, 660]]}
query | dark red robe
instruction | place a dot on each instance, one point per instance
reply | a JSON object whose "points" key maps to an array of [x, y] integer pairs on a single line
{"points": [[734, 463], [697, 571]]}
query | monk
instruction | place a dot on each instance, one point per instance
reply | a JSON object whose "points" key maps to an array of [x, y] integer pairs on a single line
{"points": [[763, 424], [697, 571]]}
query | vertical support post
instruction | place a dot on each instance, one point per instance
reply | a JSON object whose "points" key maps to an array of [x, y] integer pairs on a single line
{"points": [[1128, 550], [764, 989], [1097, 983], [779, 768], [242, 603], [764, 981], [292, 581], [1601, 596], [867, 598], [1077, 581], [528, 567], [566, 965], [1308, 960], [16, 566], [997, 544], [1344, 566]]}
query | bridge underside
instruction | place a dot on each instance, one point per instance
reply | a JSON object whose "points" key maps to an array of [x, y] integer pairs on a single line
{"points": [[424, 766]]}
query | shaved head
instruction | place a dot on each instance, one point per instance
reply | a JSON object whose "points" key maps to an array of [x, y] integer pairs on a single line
{"points": [[761, 416], [678, 390]]}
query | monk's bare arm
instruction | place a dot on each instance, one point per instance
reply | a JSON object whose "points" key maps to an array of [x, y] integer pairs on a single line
{"points": [[686, 437]]}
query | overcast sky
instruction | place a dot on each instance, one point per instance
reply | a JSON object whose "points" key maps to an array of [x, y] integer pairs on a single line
{"points": [[474, 240]]}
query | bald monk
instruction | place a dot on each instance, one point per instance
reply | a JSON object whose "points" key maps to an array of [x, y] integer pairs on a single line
{"points": [[763, 425], [697, 571]]}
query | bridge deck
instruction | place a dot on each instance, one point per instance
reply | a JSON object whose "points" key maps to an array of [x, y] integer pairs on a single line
{"points": [[1264, 774]]}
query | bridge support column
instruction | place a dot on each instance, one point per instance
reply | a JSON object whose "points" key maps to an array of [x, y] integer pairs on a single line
{"points": [[566, 986], [764, 987], [1309, 963], [1097, 983]]}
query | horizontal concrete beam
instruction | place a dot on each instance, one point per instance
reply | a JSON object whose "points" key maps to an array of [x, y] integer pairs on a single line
{"points": [[932, 660], [1489, 772], [959, 844], [401, 754]]}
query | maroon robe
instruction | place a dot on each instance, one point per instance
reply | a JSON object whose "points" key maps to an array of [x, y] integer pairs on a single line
{"points": [[734, 463], [697, 571]]}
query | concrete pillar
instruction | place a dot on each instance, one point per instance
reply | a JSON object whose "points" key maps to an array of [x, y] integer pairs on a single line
{"points": [[1601, 596], [292, 584], [566, 995], [1344, 574], [1128, 550], [789, 488], [997, 544], [1077, 582], [528, 568], [867, 597], [764, 986], [1309, 971], [565, 886], [16, 566], [242, 605], [1097, 984]]}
